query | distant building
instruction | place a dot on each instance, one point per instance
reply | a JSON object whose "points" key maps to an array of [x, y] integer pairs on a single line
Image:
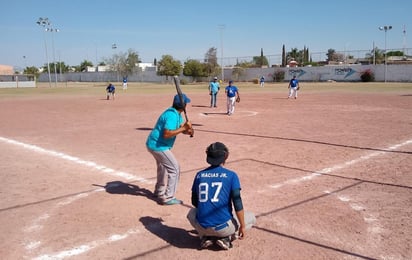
{"points": [[102, 68], [6, 70]]}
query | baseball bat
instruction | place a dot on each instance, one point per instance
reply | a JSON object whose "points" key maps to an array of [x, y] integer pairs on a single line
{"points": [[180, 94]]}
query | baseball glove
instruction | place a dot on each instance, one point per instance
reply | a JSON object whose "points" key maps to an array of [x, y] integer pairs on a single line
{"points": [[238, 99], [298, 88]]}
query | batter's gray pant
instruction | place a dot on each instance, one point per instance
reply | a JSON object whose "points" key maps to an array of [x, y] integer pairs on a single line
{"points": [[168, 172]]}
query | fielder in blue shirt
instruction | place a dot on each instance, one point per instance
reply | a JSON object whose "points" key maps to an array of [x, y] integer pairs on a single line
{"points": [[293, 87], [110, 91], [232, 93], [215, 192]]}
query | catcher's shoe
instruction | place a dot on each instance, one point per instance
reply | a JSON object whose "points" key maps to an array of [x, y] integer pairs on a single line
{"points": [[224, 243], [206, 242]]}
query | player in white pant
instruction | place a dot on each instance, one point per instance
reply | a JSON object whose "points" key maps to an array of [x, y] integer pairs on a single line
{"points": [[232, 93], [293, 87]]}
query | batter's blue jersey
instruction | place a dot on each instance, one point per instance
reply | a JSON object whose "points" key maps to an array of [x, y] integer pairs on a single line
{"points": [[170, 119], [214, 87], [214, 186]]}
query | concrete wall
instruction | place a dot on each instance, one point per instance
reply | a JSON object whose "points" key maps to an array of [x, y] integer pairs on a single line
{"points": [[17, 84], [394, 73]]}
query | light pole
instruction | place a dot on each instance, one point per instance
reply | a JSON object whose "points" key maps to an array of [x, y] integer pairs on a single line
{"points": [[385, 28], [115, 59], [45, 22], [221, 27], [25, 63], [51, 29]]}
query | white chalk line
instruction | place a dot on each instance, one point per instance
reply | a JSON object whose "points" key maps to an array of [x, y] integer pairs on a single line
{"points": [[38, 223], [338, 166], [375, 229], [77, 250], [90, 164], [371, 219], [239, 113]]}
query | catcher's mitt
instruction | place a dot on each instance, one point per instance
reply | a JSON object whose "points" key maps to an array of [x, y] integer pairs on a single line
{"points": [[238, 99]]}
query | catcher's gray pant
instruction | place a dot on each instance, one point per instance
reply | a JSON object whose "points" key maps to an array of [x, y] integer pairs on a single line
{"points": [[293, 91], [223, 230], [168, 172], [231, 101]]}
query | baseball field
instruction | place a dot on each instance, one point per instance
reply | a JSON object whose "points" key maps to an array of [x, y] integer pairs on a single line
{"points": [[328, 175]]}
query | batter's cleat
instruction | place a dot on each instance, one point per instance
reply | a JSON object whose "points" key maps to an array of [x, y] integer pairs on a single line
{"points": [[224, 243], [173, 201], [206, 242]]}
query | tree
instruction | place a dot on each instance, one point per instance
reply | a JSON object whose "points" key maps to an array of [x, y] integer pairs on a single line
{"points": [[61, 67], [32, 71], [333, 56], [283, 56], [127, 63], [379, 56], [168, 66], [261, 60], [195, 69], [124, 63], [212, 67], [293, 55], [83, 66], [395, 53]]}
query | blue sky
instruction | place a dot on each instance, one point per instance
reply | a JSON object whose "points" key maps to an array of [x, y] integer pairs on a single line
{"points": [[186, 29]]}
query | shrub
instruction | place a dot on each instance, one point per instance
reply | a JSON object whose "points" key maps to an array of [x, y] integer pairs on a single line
{"points": [[255, 81], [367, 75], [278, 76], [183, 81]]}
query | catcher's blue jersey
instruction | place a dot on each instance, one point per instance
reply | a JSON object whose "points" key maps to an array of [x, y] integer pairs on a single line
{"points": [[213, 186]]}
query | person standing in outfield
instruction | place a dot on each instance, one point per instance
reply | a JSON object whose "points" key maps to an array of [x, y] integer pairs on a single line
{"points": [[160, 142], [262, 81], [124, 83], [110, 91], [232, 93], [293, 87], [214, 88], [215, 191]]}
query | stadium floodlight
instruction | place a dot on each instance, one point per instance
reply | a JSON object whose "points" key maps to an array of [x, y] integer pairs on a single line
{"points": [[45, 22], [221, 28], [53, 30], [385, 28]]}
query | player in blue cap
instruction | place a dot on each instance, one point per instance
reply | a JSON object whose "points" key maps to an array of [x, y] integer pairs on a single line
{"points": [[160, 142], [232, 93]]}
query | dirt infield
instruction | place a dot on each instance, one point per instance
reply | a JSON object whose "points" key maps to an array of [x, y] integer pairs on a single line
{"points": [[328, 175]]}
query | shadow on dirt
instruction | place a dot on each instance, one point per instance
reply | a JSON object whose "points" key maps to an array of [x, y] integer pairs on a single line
{"points": [[119, 187], [176, 237]]}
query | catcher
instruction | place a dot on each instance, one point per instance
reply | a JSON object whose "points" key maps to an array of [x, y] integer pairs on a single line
{"points": [[232, 93]]}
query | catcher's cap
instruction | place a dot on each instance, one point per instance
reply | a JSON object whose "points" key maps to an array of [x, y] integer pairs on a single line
{"points": [[177, 103], [216, 153]]}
